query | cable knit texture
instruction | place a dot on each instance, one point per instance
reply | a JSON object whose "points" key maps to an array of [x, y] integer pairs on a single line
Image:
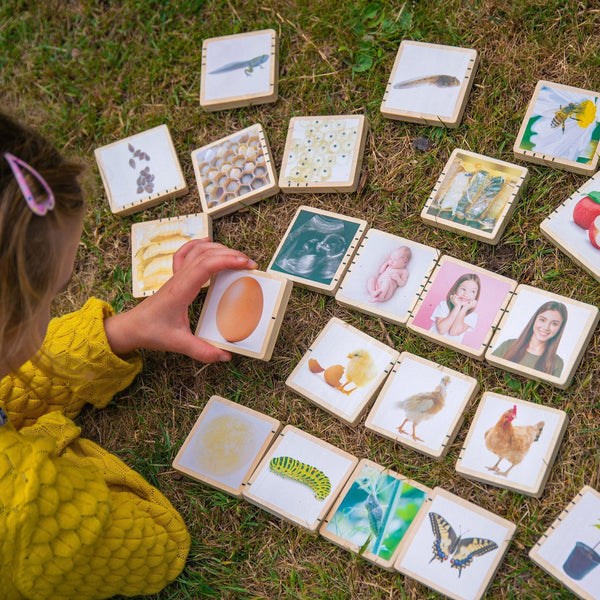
{"points": [[75, 521]]}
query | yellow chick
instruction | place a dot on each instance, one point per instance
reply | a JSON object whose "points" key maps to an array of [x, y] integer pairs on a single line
{"points": [[360, 370]]}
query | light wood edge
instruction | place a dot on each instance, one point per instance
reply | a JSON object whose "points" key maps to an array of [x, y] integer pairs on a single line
{"points": [[570, 366], [547, 159], [479, 353], [541, 562], [237, 492], [274, 324], [333, 186], [387, 564], [275, 510], [577, 257], [500, 553], [207, 228], [245, 99], [370, 309], [537, 488], [492, 237], [151, 199], [354, 417], [436, 453], [454, 120], [247, 199], [331, 288]]}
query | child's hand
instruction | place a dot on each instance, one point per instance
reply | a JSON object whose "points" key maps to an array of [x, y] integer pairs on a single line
{"points": [[161, 321]]}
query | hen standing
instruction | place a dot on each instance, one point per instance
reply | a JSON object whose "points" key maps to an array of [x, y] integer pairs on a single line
{"points": [[511, 442]]}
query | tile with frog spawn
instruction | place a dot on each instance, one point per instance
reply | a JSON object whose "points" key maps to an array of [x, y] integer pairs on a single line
{"points": [[234, 172], [323, 154]]}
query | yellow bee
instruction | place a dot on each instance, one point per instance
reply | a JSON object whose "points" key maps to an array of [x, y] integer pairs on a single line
{"points": [[572, 110]]}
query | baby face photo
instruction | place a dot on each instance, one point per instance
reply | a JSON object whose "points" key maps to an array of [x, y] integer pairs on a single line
{"points": [[239, 310], [542, 335], [575, 226], [386, 276], [456, 547], [512, 443], [374, 513], [562, 122], [429, 80], [570, 551], [233, 169], [139, 167], [238, 66], [300, 478], [153, 245], [322, 150], [342, 370], [225, 444], [421, 405], [461, 304], [475, 195], [315, 246]]}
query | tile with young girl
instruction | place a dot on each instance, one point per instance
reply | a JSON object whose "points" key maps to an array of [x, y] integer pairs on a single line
{"points": [[461, 306], [543, 336]]}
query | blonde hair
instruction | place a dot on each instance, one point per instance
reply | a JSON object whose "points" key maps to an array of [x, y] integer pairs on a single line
{"points": [[29, 246]]}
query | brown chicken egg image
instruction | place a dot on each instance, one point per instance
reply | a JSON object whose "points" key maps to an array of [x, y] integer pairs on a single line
{"points": [[240, 309]]}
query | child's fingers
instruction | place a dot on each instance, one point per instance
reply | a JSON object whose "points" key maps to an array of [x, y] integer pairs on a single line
{"points": [[199, 349], [181, 254]]}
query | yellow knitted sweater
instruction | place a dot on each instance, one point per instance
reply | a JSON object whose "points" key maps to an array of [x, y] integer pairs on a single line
{"points": [[75, 521]]}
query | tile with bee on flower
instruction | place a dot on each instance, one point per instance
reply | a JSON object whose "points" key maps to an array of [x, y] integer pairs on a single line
{"points": [[153, 244], [561, 128], [235, 171]]}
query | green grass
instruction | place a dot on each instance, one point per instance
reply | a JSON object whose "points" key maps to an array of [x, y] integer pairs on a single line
{"points": [[89, 73]]}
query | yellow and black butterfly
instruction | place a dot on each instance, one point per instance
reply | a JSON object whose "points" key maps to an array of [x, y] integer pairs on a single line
{"points": [[462, 550]]}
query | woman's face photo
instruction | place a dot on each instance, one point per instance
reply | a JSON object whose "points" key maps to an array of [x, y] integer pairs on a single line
{"points": [[547, 325], [467, 290]]}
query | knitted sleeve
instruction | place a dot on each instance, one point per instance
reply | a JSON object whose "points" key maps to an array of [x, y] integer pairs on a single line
{"points": [[83, 369]]}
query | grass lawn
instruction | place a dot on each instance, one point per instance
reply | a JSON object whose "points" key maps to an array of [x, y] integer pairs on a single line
{"points": [[89, 73]]}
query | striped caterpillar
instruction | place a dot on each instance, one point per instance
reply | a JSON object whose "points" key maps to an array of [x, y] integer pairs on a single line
{"points": [[316, 480]]}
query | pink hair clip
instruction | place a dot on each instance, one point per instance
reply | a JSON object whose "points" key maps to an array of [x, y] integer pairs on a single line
{"points": [[38, 208]]}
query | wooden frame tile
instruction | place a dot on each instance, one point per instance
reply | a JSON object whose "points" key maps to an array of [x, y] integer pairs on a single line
{"points": [[557, 128], [375, 282], [299, 478], [573, 239], [317, 248], [247, 63], [342, 370], [475, 195], [225, 445], [430, 84], [243, 311], [519, 317], [478, 325], [437, 397], [323, 154], [140, 171], [504, 430], [568, 549], [153, 244], [381, 495], [462, 570], [235, 171]]}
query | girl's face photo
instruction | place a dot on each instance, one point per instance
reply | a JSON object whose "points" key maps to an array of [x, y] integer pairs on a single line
{"points": [[467, 291], [547, 325]]}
